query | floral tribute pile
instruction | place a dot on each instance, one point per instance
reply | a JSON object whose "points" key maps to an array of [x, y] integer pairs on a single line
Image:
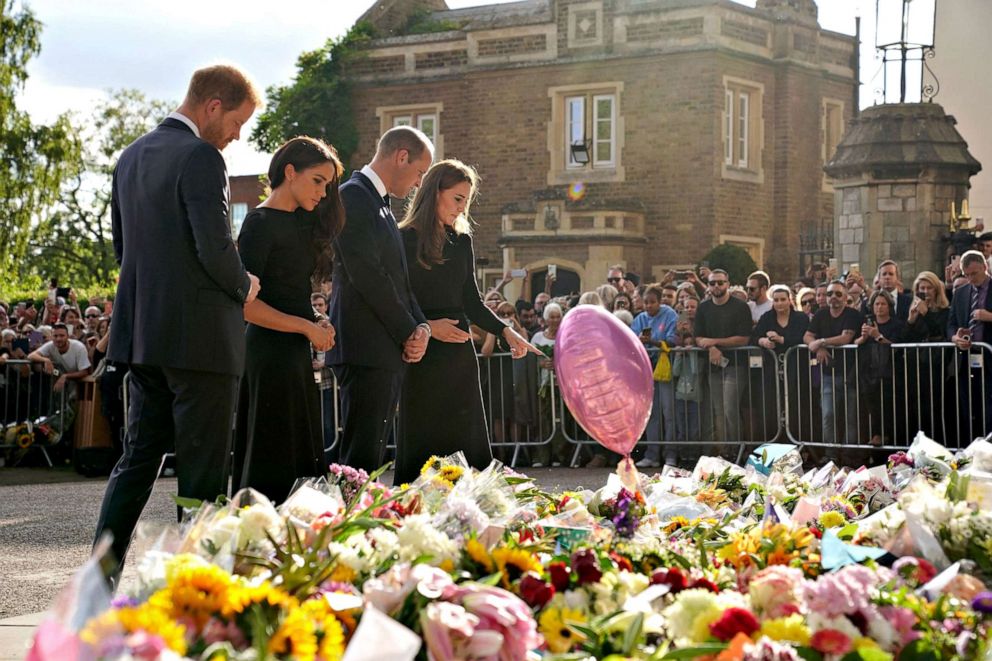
{"points": [[727, 562]]}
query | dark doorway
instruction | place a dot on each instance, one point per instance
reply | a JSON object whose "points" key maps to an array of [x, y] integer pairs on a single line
{"points": [[566, 282]]}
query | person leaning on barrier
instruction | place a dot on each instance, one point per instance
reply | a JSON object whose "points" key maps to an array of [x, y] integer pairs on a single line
{"points": [[834, 327], [881, 380], [930, 310], [970, 322], [64, 356], [806, 301], [782, 326]]}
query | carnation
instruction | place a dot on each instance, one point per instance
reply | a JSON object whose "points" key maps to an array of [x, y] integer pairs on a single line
{"points": [[776, 591], [418, 537], [848, 590]]}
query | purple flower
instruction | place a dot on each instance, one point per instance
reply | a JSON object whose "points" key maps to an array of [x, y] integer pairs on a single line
{"points": [[123, 601], [982, 603]]}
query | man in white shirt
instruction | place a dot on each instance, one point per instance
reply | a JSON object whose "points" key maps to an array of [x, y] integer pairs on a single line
{"points": [[757, 294], [65, 355]]}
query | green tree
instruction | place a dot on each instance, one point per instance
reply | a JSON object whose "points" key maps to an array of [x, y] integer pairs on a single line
{"points": [[34, 159], [318, 100], [732, 259], [74, 242]]}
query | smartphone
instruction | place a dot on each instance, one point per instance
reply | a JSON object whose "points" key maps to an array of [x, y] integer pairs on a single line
{"points": [[832, 264], [519, 273], [920, 295], [62, 292], [552, 270], [870, 320], [855, 268]]}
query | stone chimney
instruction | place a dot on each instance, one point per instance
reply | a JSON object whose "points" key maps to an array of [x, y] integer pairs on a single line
{"points": [[389, 17]]}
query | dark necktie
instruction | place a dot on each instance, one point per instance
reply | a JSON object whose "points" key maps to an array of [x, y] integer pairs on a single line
{"points": [[972, 307]]}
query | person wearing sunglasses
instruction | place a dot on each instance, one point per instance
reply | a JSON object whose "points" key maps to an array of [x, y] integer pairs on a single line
{"points": [[806, 301], [830, 328], [722, 322]]}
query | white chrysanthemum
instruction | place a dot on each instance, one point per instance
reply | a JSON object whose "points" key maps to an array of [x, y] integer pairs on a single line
{"points": [[818, 622], [681, 615], [418, 537], [221, 532], [351, 555], [576, 600], [256, 521], [151, 571], [384, 543], [882, 632]]}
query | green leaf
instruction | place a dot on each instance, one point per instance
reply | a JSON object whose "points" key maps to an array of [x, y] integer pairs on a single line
{"points": [[809, 654], [848, 532], [187, 503], [633, 634], [918, 650], [867, 654], [696, 651]]}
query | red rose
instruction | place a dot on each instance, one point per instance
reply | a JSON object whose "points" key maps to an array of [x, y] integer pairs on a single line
{"points": [[534, 591], [673, 577], [830, 641], [560, 574], [586, 566], [705, 584], [623, 564], [734, 621]]}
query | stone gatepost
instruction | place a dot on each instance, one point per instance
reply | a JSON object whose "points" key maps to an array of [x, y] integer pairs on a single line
{"points": [[895, 174]]}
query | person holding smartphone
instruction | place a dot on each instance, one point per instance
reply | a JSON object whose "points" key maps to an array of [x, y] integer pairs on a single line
{"points": [[970, 322], [657, 324], [882, 386]]}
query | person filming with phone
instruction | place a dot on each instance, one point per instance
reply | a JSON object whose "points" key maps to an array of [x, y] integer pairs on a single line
{"points": [[970, 323]]}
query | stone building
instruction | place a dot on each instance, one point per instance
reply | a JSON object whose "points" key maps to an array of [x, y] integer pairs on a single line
{"points": [[639, 132]]}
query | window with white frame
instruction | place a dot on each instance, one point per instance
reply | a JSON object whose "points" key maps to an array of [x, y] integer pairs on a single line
{"points": [[238, 212], [424, 117], [590, 131], [742, 128]]}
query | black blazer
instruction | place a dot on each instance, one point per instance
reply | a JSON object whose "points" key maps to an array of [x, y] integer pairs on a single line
{"points": [[182, 286], [959, 312], [372, 306]]}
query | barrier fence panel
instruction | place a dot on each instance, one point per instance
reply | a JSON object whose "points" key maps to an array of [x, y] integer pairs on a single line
{"points": [[877, 396], [705, 408], [32, 413], [521, 404]]}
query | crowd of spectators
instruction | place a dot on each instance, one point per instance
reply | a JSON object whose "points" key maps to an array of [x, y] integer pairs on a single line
{"points": [[843, 386]]}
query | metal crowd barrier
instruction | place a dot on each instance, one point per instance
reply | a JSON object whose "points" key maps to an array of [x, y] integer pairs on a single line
{"points": [[32, 414], [880, 396]]}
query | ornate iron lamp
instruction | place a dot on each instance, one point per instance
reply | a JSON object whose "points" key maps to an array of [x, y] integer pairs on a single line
{"points": [[904, 34]]}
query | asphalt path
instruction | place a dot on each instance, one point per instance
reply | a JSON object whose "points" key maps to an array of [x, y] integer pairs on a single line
{"points": [[47, 519]]}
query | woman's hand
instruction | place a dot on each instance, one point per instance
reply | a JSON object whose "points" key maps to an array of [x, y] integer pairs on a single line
{"points": [[518, 345], [775, 337], [766, 342], [321, 337], [447, 330]]}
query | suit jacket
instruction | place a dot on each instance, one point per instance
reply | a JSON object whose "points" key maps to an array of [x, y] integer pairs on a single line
{"points": [[904, 301], [182, 286], [372, 306], [959, 317]]}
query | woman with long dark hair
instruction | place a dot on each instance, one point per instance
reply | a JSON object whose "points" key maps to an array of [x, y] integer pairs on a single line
{"points": [[286, 241], [441, 410]]}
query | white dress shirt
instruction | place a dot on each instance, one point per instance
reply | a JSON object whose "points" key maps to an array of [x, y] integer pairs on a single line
{"points": [[375, 179], [185, 120]]}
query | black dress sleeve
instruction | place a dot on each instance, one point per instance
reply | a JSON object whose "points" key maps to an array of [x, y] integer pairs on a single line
{"points": [[255, 243], [762, 327], [472, 303]]}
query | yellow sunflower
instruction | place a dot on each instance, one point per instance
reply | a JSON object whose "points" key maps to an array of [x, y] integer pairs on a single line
{"points": [[676, 523], [242, 597], [554, 625], [452, 473], [197, 592], [330, 633], [296, 637], [514, 563], [477, 552], [145, 617], [434, 463]]}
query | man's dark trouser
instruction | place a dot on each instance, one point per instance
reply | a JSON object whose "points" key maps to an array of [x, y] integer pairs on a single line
{"points": [[186, 411], [368, 406]]}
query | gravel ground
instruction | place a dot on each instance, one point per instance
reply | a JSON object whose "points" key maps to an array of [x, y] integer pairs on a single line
{"points": [[47, 519]]}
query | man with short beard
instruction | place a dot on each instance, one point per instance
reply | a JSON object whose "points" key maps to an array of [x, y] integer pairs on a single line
{"points": [[63, 355], [832, 327], [528, 318]]}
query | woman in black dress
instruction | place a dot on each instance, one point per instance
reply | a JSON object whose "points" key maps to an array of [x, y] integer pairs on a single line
{"points": [[286, 242], [441, 410]]}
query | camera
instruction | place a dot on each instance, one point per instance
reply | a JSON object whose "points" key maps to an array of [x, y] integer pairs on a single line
{"points": [[920, 295]]}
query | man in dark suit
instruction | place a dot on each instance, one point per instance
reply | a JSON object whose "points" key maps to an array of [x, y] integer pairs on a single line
{"points": [[889, 280], [178, 319], [379, 324], [970, 322]]}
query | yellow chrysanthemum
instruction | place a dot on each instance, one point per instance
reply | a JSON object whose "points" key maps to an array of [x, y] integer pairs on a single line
{"points": [[198, 592], [559, 637], [514, 563], [343, 574], [791, 629], [832, 519], [241, 597], [477, 552], [676, 523], [145, 618], [434, 463], [701, 623], [296, 637], [863, 642]]}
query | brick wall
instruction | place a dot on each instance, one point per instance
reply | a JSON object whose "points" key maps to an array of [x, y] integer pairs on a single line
{"points": [[532, 43]]}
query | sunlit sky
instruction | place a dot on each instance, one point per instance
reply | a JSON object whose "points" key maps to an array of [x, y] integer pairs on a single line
{"points": [[90, 46]]}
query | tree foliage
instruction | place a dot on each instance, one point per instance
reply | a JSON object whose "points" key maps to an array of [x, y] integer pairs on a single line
{"points": [[74, 241], [318, 100], [734, 260], [34, 159]]}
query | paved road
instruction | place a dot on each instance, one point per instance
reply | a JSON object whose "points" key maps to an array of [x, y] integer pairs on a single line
{"points": [[47, 518]]}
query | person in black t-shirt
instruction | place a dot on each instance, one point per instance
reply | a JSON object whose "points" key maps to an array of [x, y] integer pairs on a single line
{"points": [[833, 327], [722, 322], [881, 382]]}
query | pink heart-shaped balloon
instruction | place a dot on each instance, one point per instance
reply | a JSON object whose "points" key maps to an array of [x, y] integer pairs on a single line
{"points": [[605, 376]]}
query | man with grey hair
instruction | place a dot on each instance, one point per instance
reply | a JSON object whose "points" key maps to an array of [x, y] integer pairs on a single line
{"points": [[379, 324]]}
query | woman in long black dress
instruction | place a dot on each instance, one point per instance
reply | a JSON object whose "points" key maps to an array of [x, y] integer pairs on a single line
{"points": [[441, 410], [286, 242]]}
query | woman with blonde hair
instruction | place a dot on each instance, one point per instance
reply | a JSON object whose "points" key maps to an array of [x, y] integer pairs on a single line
{"points": [[930, 309], [806, 301], [441, 409]]}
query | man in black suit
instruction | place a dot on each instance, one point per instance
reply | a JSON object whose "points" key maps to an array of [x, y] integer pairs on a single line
{"points": [[970, 322], [889, 280], [379, 324], [178, 319]]}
